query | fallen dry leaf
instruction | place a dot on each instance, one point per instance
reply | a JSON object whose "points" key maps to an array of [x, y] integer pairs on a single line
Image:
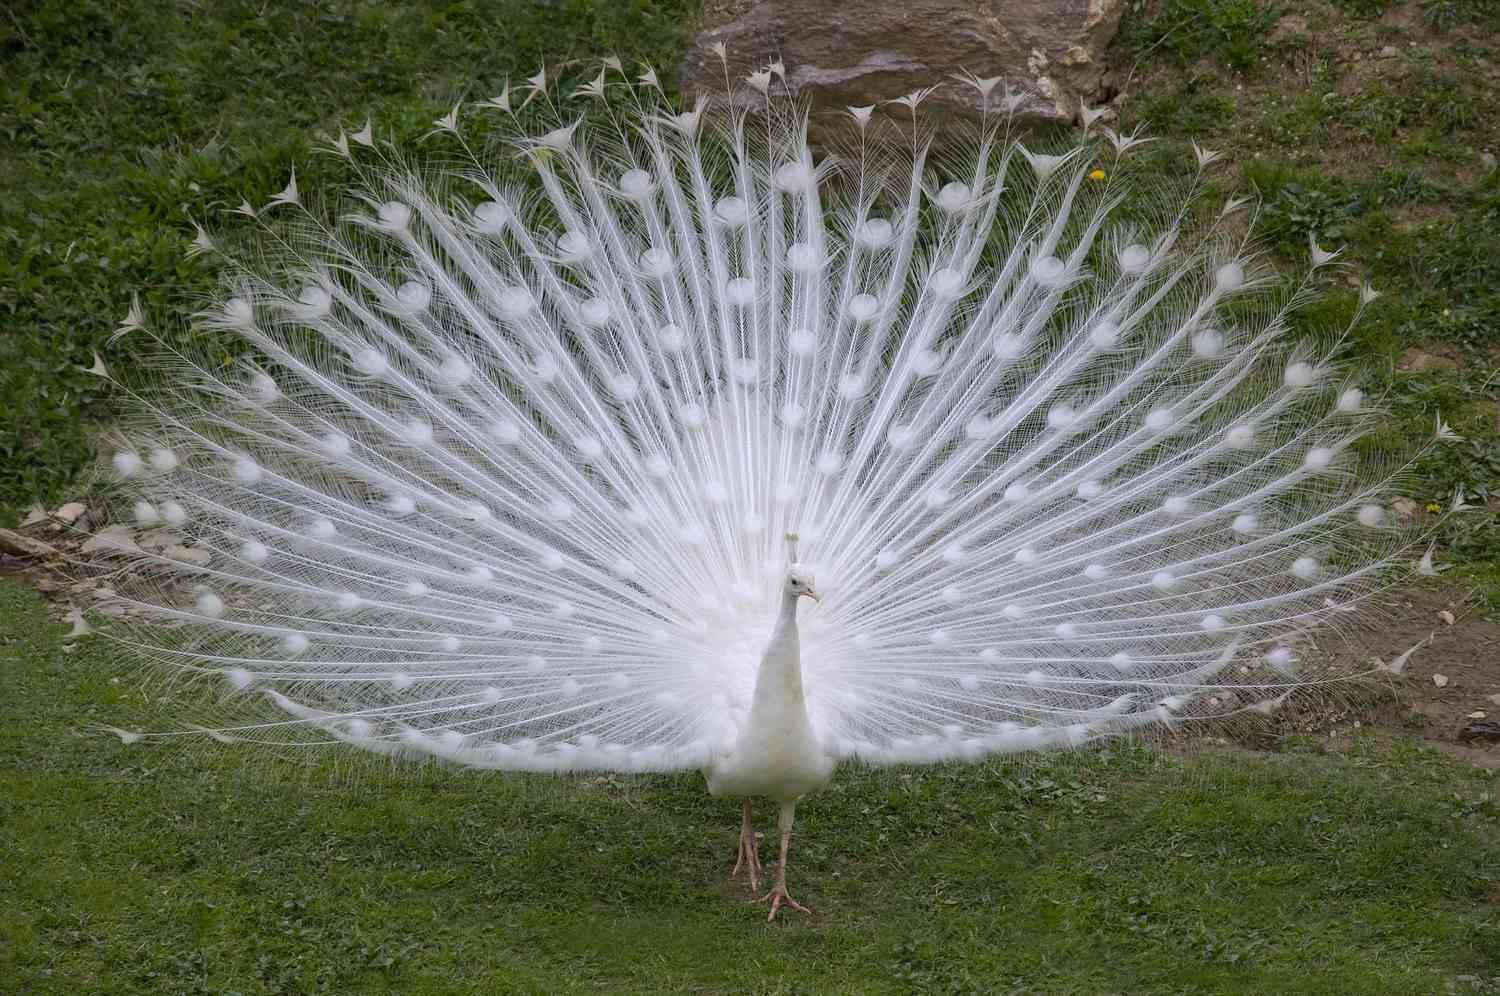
{"points": [[1446, 617], [1440, 680]]}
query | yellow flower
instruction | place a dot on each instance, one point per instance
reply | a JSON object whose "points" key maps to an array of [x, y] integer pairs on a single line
{"points": [[1097, 174], [1433, 506]]}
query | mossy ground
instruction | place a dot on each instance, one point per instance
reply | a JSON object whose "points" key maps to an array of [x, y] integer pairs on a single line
{"points": [[137, 869]]}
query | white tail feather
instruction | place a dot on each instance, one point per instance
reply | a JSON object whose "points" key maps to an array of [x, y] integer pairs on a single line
{"points": [[508, 478]]}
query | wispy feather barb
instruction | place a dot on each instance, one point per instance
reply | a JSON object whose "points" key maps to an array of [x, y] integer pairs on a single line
{"points": [[507, 478]]}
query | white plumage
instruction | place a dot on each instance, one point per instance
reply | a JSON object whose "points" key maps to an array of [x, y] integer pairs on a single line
{"points": [[505, 474]]}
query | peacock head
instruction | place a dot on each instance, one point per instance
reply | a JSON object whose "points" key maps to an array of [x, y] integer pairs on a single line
{"points": [[799, 583]]}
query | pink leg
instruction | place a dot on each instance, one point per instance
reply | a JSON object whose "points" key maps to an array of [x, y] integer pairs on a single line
{"points": [[749, 854], [778, 894]]}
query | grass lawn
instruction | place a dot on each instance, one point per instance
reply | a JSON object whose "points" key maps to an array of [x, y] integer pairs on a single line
{"points": [[141, 869]]}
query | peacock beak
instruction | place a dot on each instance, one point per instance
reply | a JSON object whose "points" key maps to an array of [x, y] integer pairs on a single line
{"points": [[813, 595]]}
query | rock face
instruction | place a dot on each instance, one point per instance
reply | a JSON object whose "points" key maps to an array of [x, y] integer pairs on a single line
{"points": [[857, 52]]}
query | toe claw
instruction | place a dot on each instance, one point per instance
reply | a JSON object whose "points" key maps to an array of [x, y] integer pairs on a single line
{"points": [[778, 897]]}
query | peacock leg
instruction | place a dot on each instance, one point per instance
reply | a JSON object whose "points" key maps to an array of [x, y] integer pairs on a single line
{"points": [[778, 894], [749, 855]]}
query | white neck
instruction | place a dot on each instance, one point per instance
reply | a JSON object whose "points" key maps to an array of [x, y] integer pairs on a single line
{"points": [[778, 685]]}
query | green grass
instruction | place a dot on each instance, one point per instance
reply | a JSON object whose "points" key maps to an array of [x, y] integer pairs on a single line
{"points": [[123, 121], [141, 869], [1367, 135]]}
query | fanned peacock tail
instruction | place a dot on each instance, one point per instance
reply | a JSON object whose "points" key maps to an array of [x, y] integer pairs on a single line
{"points": [[506, 477]]}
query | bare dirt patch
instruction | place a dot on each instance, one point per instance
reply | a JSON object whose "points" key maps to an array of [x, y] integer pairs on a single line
{"points": [[1454, 675]]}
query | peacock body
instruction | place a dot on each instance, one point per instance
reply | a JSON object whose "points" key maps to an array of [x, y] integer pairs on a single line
{"points": [[507, 474]]}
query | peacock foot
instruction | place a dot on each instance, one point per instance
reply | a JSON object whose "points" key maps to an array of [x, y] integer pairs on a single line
{"points": [[749, 859], [779, 897]]}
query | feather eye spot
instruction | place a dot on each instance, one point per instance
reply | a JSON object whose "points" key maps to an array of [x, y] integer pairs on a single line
{"points": [[595, 312], [1208, 343], [1300, 374], [1007, 346], [315, 301], [804, 258], [954, 197], [863, 307], [946, 282], [874, 233], [1061, 416], [793, 177], [245, 470], [1048, 271], [574, 247], [454, 371], [1351, 400], [732, 211], [1318, 458], [416, 432], [1134, 258], [1280, 658], [1104, 334], [636, 183], [492, 218], [1230, 276], [334, 444], [740, 291], [239, 312], [1371, 516], [505, 431], [126, 463], [656, 263], [393, 216], [670, 338], [370, 362], [412, 297], [515, 302], [263, 388]]}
